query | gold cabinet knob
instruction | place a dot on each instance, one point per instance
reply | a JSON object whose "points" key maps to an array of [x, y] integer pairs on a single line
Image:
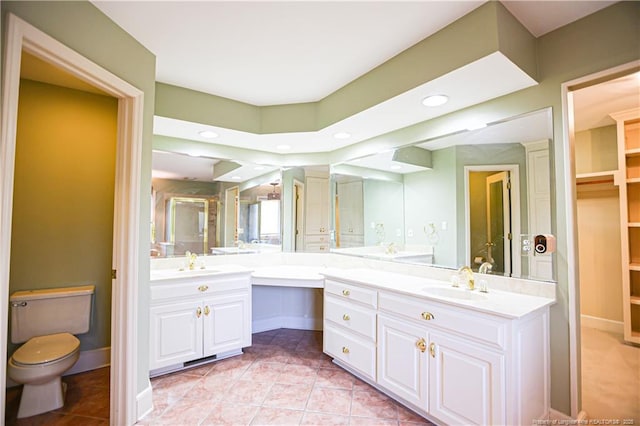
{"points": [[199, 312], [203, 288], [421, 344], [346, 292], [207, 311], [427, 316], [345, 350], [432, 349], [346, 317]]}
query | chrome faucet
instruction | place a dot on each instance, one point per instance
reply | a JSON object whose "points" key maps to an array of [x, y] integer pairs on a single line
{"points": [[391, 249], [468, 276]]}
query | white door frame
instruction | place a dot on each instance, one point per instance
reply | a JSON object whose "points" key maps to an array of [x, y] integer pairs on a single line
{"points": [[297, 216], [21, 36], [507, 255], [573, 280], [514, 172]]}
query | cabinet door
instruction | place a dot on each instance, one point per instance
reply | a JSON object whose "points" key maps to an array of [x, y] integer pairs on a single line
{"points": [[317, 206], [227, 324], [466, 383], [176, 334], [403, 360]]}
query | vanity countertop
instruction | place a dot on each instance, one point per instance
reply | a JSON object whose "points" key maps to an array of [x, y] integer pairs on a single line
{"points": [[289, 276], [501, 303], [158, 275]]}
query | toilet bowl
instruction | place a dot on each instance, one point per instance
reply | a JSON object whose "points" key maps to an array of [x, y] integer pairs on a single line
{"points": [[39, 365]]}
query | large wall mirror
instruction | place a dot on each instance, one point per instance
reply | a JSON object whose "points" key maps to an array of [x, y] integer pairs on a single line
{"points": [[467, 198], [212, 206]]}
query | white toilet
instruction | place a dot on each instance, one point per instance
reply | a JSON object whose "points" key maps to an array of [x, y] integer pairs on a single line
{"points": [[47, 321]]}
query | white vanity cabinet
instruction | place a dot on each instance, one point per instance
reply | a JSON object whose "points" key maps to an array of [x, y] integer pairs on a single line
{"points": [[350, 326], [197, 317], [453, 364]]}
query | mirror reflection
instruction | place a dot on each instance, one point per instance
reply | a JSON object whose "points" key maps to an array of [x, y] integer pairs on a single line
{"points": [[198, 210], [467, 198]]}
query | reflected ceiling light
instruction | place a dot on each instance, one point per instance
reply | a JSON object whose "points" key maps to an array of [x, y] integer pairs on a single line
{"points": [[208, 134], [283, 147], [236, 177], [435, 100], [192, 154], [395, 167], [342, 135]]}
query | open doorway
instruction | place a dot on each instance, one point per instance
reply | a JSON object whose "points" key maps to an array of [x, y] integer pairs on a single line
{"points": [[605, 368], [492, 206], [24, 38]]}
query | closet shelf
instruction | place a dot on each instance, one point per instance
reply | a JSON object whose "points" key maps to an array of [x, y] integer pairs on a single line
{"points": [[634, 300], [633, 224], [634, 266], [595, 177], [633, 180], [632, 152]]}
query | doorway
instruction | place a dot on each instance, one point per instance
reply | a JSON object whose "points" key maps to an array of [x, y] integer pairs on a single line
{"points": [[22, 37], [492, 211], [605, 373]]}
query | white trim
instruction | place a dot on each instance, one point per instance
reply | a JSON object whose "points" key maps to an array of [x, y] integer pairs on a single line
{"points": [[91, 360], [514, 169], [572, 223], [296, 323], [144, 402], [602, 324], [21, 36]]}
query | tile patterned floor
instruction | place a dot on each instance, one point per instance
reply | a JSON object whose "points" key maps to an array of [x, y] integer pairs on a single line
{"points": [[282, 379], [86, 402]]}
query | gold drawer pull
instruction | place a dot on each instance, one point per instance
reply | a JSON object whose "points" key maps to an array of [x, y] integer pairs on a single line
{"points": [[345, 350], [346, 317], [199, 312], [421, 344], [203, 288], [427, 316], [432, 349], [207, 311], [346, 292]]}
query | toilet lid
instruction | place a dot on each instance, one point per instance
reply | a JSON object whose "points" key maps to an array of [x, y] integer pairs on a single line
{"points": [[48, 348]]}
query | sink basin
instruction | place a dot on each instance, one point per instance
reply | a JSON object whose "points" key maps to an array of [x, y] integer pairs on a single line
{"points": [[454, 293]]}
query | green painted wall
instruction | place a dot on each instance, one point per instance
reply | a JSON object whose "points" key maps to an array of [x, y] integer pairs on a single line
{"points": [[82, 27], [62, 228], [383, 202]]}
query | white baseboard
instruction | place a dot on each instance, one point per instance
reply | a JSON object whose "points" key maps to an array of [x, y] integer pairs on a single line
{"points": [[602, 324], [144, 402], [87, 361], [297, 323]]}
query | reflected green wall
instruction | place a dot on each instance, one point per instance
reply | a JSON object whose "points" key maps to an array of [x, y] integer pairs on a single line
{"points": [[62, 228]]}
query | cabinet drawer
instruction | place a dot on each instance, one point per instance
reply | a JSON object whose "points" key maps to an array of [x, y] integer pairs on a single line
{"points": [[473, 325], [350, 316], [354, 351], [345, 291], [198, 287]]}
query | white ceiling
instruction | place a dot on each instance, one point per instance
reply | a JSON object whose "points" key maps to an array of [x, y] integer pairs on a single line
{"points": [[270, 53]]}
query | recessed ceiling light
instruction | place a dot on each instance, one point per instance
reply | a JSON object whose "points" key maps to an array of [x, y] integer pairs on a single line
{"points": [[395, 167], [283, 147], [435, 100], [208, 134], [236, 177], [342, 135]]}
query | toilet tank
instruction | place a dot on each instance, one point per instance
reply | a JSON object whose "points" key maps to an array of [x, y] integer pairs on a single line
{"points": [[49, 311]]}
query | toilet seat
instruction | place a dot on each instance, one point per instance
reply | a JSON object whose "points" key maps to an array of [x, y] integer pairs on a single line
{"points": [[44, 349]]}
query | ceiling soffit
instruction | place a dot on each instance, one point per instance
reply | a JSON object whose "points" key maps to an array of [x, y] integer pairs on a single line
{"points": [[488, 29]]}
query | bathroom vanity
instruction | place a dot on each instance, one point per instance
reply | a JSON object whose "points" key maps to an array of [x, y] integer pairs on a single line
{"points": [[455, 356], [198, 314]]}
